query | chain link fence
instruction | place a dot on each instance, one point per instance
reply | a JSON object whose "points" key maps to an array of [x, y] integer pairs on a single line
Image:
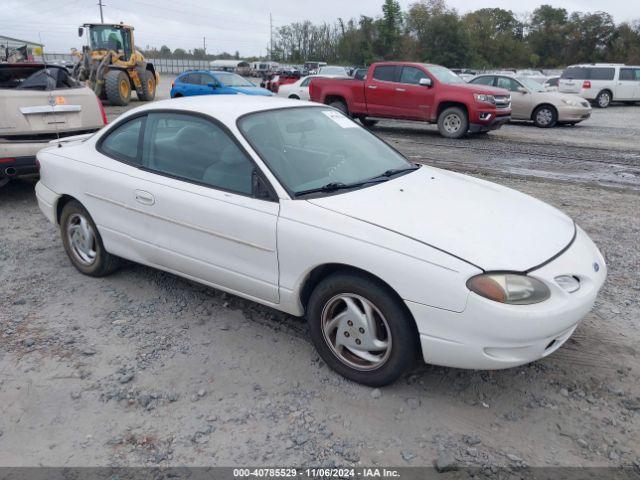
{"points": [[162, 65]]}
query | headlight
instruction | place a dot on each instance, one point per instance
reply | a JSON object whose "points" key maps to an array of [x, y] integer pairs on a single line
{"points": [[482, 98], [573, 103], [510, 288]]}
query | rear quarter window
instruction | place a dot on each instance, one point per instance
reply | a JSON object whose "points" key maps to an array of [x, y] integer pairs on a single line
{"points": [[603, 73], [576, 73]]}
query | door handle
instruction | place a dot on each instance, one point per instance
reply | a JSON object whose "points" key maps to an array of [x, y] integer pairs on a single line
{"points": [[372, 87], [400, 90], [144, 198]]}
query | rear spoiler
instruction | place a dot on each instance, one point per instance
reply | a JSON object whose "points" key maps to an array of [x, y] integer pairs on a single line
{"points": [[73, 138]]}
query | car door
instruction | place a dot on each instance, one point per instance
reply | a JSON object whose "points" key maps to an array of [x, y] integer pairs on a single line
{"points": [[521, 101], [628, 85], [201, 219], [412, 100], [302, 88], [380, 91]]}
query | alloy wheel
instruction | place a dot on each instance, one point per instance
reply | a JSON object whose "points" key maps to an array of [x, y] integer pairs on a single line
{"points": [[356, 332], [82, 239], [452, 123]]}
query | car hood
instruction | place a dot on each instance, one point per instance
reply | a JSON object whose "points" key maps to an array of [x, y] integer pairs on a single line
{"points": [[485, 224], [253, 91]]}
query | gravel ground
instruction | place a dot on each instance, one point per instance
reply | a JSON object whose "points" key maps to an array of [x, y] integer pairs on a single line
{"points": [[145, 368]]}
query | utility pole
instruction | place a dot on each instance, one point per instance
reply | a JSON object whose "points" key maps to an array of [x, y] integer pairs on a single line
{"points": [[271, 37], [101, 16], [204, 45]]}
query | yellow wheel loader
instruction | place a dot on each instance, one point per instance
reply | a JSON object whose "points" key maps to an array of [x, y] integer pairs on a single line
{"points": [[111, 65]]}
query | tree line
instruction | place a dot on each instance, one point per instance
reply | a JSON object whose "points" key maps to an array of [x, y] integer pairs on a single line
{"points": [[431, 31]]}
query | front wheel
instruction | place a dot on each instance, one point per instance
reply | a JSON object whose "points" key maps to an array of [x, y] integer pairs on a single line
{"points": [[83, 243], [118, 88], [545, 116], [361, 330], [453, 123]]}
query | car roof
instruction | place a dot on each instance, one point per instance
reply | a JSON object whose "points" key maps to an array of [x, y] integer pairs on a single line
{"points": [[226, 108]]}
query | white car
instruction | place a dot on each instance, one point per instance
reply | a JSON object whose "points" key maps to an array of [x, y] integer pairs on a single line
{"points": [[295, 206], [299, 90], [602, 83]]}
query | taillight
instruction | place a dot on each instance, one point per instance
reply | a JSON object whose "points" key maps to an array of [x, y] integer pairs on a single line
{"points": [[102, 112], [586, 84], [7, 160]]}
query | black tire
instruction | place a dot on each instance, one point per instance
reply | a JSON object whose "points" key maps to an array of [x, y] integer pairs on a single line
{"points": [[604, 98], [545, 116], [177, 95], [367, 122], [118, 88], [294, 97], [403, 348], [453, 122], [148, 80], [103, 263], [340, 105]]}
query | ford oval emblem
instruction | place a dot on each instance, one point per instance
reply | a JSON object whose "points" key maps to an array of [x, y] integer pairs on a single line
{"points": [[596, 267]]}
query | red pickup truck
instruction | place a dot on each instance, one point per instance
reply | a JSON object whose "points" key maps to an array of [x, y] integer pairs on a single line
{"points": [[416, 91]]}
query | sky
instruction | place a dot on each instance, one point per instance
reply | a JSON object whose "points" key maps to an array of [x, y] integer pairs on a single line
{"points": [[232, 25]]}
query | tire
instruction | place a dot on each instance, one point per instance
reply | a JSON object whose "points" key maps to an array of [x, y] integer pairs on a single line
{"points": [[148, 80], [294, 97], [340, 105], [118, 88], [603, 100], [367, 122], [545, 116], [453, 122], [88, 258], [393, 325]]}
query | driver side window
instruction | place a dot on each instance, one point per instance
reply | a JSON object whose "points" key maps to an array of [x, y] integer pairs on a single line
{"points": [[195, 149]]}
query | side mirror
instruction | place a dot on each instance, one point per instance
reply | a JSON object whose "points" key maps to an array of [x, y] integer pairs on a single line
{"points": [[425, 82], [523, 90], [80, 31], [212, 85], [258, 186]]}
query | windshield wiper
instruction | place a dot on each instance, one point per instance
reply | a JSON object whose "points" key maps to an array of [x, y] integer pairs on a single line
{"points": [[333, 186]]}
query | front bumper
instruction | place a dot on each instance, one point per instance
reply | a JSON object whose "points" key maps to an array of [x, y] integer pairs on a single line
{"points": [[491, 335], [573, 114], [491, 123]]}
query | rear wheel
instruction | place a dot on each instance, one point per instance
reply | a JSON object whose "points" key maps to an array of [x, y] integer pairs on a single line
{"points": [[148, 80], [453, 123], [294, 97], [340, 105], [603, 100], [83, 243], [118, 87], [367, 122], [361, 330], [545, 116]]}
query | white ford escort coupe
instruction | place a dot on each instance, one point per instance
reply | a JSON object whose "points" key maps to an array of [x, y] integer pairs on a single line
{"points": [[295, 206]]}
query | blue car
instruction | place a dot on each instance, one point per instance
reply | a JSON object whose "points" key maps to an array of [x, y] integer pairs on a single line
{"points": [[204, 82]]}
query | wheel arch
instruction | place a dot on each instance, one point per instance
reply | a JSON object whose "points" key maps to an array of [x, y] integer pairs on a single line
{"points": [[61, 203], [320, 272], [442, 106]]}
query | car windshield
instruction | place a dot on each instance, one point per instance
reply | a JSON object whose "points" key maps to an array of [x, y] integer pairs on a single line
{"points": [[531, 84], [314, 147], [444, 75], [233, 80]]}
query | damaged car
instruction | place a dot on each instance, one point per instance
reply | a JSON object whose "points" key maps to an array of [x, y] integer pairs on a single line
{"points": [[40, 103]]}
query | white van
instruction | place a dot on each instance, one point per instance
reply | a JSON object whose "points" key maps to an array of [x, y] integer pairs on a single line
{"points": [[602, 83]]}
